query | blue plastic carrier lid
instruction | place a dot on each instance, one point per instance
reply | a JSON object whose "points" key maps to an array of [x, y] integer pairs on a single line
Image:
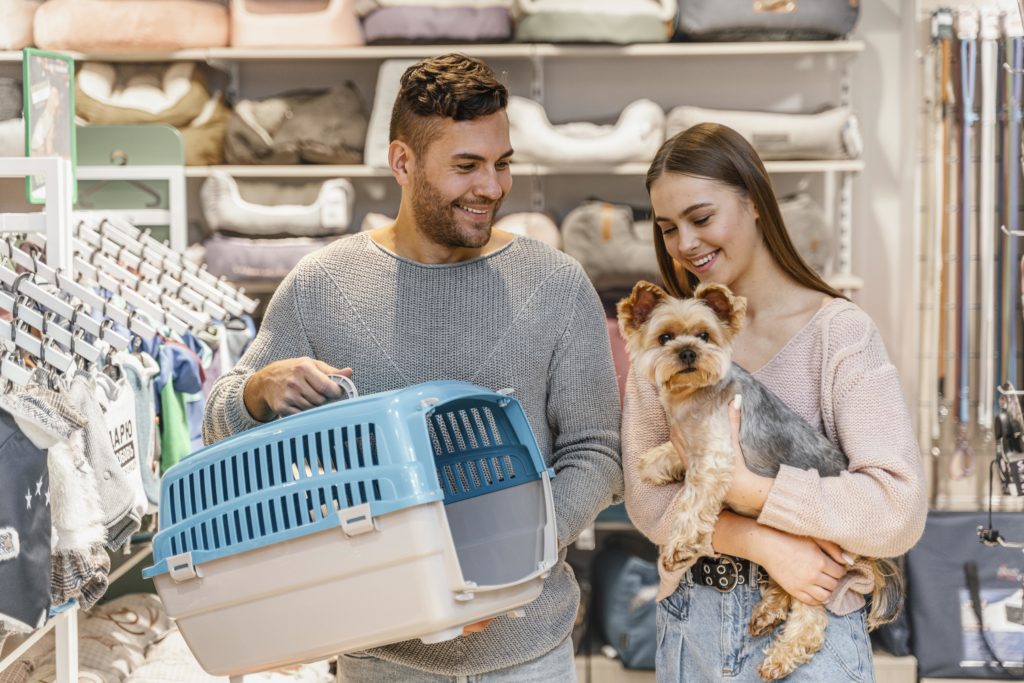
{"points": [[436, 441]]}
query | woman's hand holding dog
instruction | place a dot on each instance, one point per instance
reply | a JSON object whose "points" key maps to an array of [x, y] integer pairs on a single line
{"points": [[809, 569]]}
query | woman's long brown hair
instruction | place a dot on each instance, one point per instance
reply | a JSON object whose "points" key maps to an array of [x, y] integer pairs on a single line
{"points": [[716, 152]]}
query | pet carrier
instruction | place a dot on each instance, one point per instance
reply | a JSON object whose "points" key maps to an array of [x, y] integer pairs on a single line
{"points": [[399, 515]]}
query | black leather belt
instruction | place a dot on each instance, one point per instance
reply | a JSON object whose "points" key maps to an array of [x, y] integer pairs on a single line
{"points": [[725, 572]]}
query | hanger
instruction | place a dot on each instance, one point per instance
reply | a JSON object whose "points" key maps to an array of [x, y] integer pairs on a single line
{"points": [[94, 301], [141, 243], [154, 197], [160, 279]]}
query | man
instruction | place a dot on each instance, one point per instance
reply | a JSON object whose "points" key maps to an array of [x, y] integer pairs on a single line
{"points": [[440, 295]]}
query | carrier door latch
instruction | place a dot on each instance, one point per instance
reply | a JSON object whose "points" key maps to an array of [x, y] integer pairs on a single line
{"points": [[181, 568], [356, 520]]}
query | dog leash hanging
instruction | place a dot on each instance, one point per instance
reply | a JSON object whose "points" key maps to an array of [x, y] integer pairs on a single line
{"points": [[962, 463], [988, 227], [930, 229], [1014, 30]]}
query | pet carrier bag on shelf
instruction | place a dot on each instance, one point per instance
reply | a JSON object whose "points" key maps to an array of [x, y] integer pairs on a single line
{"points": [[399, 515]]}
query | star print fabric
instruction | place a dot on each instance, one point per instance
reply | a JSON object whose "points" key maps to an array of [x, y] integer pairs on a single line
{"points": [[24, 530]]}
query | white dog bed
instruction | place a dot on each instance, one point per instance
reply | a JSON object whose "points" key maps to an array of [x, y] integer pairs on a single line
{"points": [[532, 224], [16, 26], [378, 132], [294, 23], [226, 210], [614, 249], [595, 21], [636, 136], [831, 134]]}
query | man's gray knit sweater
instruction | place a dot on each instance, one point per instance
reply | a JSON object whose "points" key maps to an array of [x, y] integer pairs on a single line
{"points": [[524, 316]]}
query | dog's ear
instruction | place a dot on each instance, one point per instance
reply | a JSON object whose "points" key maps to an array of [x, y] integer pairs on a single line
{"points": [[729, 308], [635, 310]]}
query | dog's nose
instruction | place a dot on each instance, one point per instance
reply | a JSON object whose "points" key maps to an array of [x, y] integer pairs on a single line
{"points": [[688, 356]]}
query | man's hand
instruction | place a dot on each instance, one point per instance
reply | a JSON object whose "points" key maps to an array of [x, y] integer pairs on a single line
{"points": [[290, 386], [476, 628]]}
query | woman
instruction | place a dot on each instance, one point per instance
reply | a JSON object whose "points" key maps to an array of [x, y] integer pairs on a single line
{"points": [[716, 219]]}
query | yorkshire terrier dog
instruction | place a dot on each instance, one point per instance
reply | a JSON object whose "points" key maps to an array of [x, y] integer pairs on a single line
{"points": [[684, 348]]}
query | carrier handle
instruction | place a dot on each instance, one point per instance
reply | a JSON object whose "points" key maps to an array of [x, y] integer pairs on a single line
{"points": [[345, 383]]}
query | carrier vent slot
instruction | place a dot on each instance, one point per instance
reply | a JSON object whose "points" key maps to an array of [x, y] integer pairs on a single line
{"points": [[495, 433], [481, 428], [460, 442]]}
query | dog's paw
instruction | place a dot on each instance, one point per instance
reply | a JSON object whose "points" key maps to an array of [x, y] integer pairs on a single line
{"points": [[765, 618], [773, 667], [661, 466], [679, 556]]}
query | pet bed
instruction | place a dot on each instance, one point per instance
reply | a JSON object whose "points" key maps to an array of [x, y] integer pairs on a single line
{"points": [[12, 138], [636, 135], [378, 134], [809, 231], [614, 249], [312, 126], [10, 98], [173, 93], [766, 19], [226, 210], [244, 260], [16, 27], [532, 224], [830, 134], [595, 21], [435, 21], [131, 25], [294, 23]]}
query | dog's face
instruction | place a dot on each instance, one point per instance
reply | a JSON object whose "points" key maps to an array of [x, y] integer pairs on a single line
{"points": [[681, 345]]}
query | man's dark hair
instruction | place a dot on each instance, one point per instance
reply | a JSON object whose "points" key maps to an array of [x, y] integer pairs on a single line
{"points": [[451, 86]]}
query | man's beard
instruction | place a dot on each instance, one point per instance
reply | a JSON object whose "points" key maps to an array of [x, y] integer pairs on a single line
{"points": [[437, 220]]}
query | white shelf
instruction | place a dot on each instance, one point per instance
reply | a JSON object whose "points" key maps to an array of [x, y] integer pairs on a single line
{"points": [[362, 171], [33, 638], [491, 50]]}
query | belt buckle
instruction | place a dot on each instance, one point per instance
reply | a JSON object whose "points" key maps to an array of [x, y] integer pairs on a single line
{"points": [[721, 580]]}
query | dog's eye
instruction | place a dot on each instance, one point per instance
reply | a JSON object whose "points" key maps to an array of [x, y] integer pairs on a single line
{"points": [[704, 336], [665, 339]]}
